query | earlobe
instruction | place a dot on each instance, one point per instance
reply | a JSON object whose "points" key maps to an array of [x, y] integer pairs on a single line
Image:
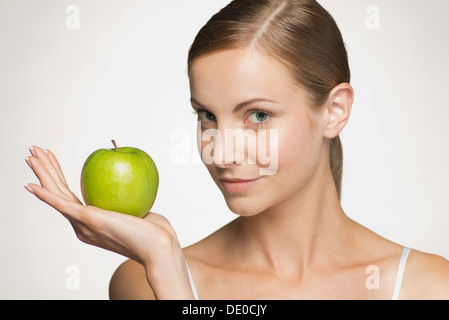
{"points": [[338, 107]]}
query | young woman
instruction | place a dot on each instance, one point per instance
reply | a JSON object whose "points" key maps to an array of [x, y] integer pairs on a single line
{"points": [[279, 67]]}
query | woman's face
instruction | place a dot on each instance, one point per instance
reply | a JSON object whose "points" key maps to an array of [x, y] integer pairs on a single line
{"points": [[238, 93]]}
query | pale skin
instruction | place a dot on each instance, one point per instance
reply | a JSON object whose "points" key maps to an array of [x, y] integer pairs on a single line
{"points": [[292, 239]]}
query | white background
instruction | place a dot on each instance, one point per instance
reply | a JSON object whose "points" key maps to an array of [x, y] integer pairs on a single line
{"points": [[122, 75]]}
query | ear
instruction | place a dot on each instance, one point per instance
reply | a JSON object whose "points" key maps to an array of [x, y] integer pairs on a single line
{"points": [[338, 107]]}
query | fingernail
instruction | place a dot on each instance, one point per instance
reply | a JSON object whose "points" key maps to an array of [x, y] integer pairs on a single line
{"points": [[27, 159], [32, 151], [28, 188]]}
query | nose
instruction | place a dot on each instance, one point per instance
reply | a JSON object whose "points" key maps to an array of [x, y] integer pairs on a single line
{"points": [[224, 149]]}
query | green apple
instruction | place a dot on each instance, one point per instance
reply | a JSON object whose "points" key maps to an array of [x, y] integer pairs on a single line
{"points": [[123, 179]]}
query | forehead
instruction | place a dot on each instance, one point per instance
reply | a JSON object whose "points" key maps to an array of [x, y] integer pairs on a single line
{"points": [[236, 75]]}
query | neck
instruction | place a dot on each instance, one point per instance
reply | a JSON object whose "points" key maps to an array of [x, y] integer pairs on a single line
{"points": [[299, 232]]}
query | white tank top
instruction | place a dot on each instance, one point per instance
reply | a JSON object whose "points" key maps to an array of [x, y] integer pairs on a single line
{"points": [[400, 274]]}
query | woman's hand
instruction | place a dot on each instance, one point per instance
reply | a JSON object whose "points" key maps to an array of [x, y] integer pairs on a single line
{"points": [[150, 241]]}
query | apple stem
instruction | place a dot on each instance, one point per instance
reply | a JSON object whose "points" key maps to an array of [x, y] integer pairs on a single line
{"points": [[115, 146]]}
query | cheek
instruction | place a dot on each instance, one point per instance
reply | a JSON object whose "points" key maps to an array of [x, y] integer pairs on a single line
{"points": [[298, 155]]}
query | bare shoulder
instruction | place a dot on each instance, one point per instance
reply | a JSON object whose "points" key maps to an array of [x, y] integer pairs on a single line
{"points": [[426, 277], [129, 282]]}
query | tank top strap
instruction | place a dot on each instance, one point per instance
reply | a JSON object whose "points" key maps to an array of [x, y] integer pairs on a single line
{"points": [[400, 274], [192, 284]]}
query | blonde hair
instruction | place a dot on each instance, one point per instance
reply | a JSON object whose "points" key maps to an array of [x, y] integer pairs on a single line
{"points": [[299, 35]]}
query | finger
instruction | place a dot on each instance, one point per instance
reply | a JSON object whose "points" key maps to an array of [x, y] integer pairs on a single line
{"points": [[65, 187], [56, 165], [48, 165], [43, 175], [51, 172], [68, 208]]}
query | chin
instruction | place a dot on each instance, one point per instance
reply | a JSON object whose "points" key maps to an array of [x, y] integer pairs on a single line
{"points": [[244, 207]]}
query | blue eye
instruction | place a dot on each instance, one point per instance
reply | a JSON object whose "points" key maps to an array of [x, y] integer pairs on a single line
{"points": [[259, 116], [206, 116]]}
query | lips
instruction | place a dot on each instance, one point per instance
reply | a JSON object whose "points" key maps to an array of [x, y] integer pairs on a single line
{"points": [[237, 180], [238, 185]]}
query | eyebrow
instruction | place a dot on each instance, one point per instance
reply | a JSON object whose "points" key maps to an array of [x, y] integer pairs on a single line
{"points": [[240, 105]]}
